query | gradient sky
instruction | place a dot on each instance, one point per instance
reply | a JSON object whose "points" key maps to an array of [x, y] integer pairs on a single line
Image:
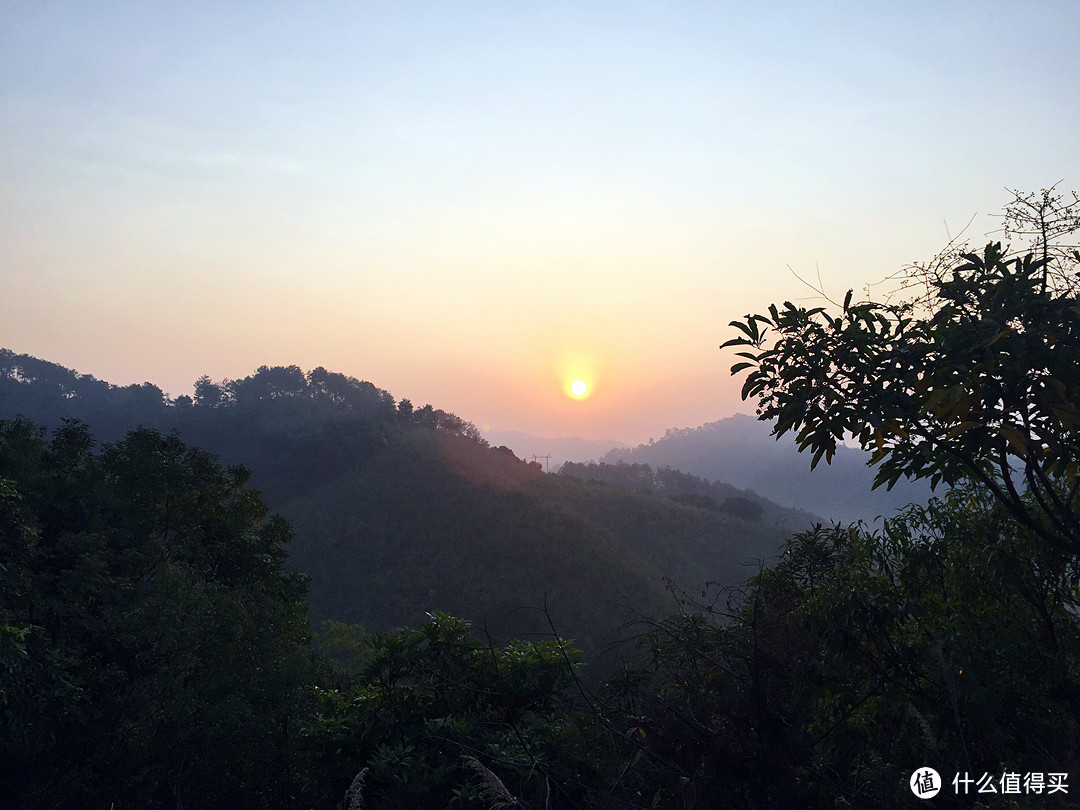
{"points": [[469, 203]]}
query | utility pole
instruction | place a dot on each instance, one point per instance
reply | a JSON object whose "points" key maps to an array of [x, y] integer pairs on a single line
{"points": [[547, 461]]}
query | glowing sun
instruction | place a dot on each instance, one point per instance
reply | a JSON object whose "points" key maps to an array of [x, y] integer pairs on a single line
{"points": [[578, 388]]}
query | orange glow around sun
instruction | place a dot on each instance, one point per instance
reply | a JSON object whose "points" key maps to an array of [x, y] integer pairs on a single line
{"points": [[576, 372]]}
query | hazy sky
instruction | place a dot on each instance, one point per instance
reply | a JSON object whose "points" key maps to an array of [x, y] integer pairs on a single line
{"points": [[469, 203]]}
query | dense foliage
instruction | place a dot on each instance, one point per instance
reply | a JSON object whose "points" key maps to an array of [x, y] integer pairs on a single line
{"points": [[154, 653], [950, 636], [948, 639], [431, 704], [154, 648]]}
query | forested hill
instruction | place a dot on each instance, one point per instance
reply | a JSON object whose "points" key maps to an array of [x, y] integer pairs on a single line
{"points": [[741, 451], [399, 511], [715, 496]]}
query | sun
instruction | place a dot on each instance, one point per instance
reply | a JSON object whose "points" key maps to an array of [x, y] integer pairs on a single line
{"points": [[578, 387], [577, 377]]}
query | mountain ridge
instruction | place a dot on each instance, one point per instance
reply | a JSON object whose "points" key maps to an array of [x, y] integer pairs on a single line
{"points": [[399, 510], [741, 450]]}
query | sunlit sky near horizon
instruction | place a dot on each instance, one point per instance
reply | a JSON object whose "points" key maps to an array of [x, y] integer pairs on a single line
{"points": [[475, 204]]}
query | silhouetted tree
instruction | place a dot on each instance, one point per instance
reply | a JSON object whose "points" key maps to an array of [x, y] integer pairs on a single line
{"points": [[208, 394], [979, 380]]}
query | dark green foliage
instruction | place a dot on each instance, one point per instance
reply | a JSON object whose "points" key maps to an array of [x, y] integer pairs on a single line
{"points": [[153, 651], [431, 697], [951, 638], [980, 382]]}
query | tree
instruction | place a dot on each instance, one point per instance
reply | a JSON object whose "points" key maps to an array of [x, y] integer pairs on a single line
{"points": [[153, 648], [429, 699], [950, 635], [208, 394], [269, 382], [979, 379]]}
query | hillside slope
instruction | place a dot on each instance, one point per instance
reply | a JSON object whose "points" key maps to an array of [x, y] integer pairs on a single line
{"points": [[399, 511]]}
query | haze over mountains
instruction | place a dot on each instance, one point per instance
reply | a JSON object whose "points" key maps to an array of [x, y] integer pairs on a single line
{"points": [[399, 511], [741, 451], [553, 453]]}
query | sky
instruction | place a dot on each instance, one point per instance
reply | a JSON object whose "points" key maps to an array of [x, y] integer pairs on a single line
{"points": [[472, 204]]}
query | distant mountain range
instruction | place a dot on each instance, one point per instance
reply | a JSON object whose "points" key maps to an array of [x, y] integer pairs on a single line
{"points": [[741, 450]]}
